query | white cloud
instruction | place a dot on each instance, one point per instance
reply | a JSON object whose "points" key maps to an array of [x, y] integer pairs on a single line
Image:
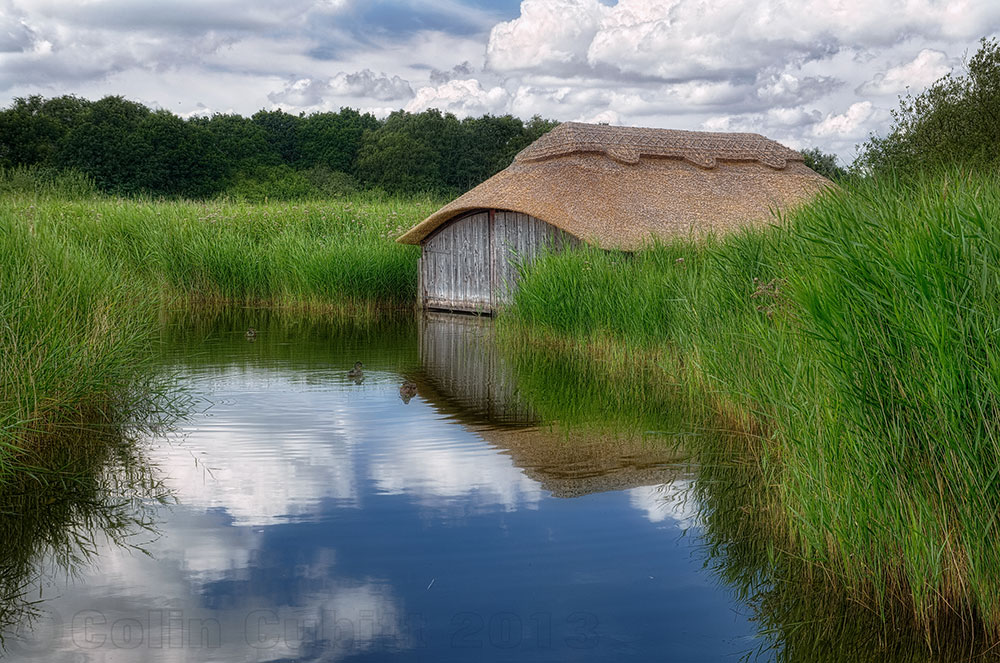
{"points": [[323, 94], [601, 117], [921, 72], [702, 38], [461, 97], [847, 123], [776, 67], [787, 88], [366, 84], [463, 70], [549, 34]]}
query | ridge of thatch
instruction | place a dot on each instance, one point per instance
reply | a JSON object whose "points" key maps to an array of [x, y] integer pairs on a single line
{"points": [[621, 187], [628, 144]]}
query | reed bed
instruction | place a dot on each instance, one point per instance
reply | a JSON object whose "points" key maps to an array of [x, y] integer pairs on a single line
{"points": [[861, 337], [338, 252], [83, 276]]}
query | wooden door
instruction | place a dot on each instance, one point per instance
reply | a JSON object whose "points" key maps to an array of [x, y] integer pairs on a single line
{"points": [[455, 267]]}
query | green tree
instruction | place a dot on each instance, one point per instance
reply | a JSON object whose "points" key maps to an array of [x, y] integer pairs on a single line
{"points": [[824, 164], [956, 121], [333, 140], [398, 162], [280, 131], [127, 148], [241, 143], [489, 145], [183, 159], [32, 128], [107, 145], [411, 152]]}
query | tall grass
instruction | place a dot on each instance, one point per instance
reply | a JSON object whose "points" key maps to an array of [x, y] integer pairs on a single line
{"points": [[82, 276], [340, 253], [69, 334], [862, 336]]}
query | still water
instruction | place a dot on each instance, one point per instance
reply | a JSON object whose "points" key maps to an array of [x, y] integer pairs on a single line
{"points": [[302, 514]]}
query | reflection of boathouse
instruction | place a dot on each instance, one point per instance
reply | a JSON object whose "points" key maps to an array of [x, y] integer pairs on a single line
{"points": [[465, 370], [466, 376]]}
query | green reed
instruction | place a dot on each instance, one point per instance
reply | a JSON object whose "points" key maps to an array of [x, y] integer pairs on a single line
{"points": [[861, 336], [82, 277]]}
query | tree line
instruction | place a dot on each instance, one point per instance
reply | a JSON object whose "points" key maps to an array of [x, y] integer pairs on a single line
{"points": [[128, 148]]}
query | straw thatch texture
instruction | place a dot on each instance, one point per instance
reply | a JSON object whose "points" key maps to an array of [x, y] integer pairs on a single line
{"points": [[620, 187]]}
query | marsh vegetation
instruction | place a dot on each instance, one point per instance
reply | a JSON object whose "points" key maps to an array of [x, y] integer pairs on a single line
{"points": [[839, 368], [858, 339], [85, 276]]}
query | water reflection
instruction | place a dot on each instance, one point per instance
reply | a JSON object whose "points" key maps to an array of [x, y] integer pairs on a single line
{"points": [[89, 489], [521, 504], [465, 372], [318, 518], [803, 614]]}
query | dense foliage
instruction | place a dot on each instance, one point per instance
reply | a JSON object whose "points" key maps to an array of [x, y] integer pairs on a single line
{"points": [[128, 148], [955, 122], [824, 164]]}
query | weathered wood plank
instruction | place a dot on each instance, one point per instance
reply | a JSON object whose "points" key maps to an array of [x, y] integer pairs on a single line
{"points": [[472, 264]]}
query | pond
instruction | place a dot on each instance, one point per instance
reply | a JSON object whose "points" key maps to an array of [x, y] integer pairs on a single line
{"points": [[299, 513]]}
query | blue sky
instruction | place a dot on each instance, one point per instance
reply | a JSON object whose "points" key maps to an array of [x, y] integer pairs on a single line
{"points": [[805, 72]]}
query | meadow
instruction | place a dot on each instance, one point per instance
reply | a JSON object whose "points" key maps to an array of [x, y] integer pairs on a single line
{"points": [[857, 342]]}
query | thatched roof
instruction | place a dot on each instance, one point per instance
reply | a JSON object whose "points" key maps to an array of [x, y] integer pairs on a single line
{"points": [[620, 187]]}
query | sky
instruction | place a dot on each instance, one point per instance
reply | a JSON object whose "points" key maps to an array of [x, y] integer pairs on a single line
{"points": [[822, 73]]}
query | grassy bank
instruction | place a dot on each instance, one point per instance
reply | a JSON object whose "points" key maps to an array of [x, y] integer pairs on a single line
{"points": [[82, 277], [861, 337], [800, 612], [333, 253]]}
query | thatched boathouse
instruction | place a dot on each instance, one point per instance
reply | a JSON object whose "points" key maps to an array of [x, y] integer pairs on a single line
{"points": [[614, 187]]}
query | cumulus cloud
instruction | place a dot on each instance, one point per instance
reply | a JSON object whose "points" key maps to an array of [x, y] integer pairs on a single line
{"points": [[366, 84], [461, 97], [786, 88], [549, 34], [766, 66], [708, 39], [846, 123], [464, 70], [310, 93], [601, 117], [922, 71]]}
